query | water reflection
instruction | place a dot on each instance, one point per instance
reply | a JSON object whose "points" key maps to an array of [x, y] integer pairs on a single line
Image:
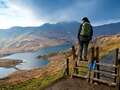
{"points": [[4, 72], [30, 59]]}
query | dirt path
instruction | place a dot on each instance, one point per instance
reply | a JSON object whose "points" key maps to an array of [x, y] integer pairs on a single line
{"points": [[78, 84]]}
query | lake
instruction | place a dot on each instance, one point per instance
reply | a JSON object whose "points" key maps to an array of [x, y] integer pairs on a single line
{"points": [[30, 60]]}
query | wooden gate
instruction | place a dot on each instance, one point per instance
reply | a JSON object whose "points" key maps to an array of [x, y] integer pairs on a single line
{"points": [[95, 75]]}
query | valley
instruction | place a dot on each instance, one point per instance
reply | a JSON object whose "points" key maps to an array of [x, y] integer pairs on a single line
{"points": [[32, 54]]}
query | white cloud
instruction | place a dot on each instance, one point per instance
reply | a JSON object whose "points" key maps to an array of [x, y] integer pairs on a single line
{"points": [[17, 16], [37, 12]]}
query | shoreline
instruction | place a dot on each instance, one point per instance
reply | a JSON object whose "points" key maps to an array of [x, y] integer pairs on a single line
{"points": [[6, 63], [54, 58], [41, 73], [49, 73], [8, 51]]}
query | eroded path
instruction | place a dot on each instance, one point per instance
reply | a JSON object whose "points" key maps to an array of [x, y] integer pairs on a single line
{"points": [[78, 84]]}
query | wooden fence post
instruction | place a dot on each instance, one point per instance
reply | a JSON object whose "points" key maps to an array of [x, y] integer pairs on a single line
{"points": [[97, 61], [92, 57], [116, 63], [119, 73], [73, 52], [92, 53], [67, 64], [74, 58]]}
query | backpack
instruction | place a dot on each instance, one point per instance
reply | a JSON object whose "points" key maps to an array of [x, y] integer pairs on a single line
{"points": [[86, 29]]}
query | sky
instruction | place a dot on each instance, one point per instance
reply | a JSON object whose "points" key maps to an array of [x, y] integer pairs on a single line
{"points": [[37, 12]]}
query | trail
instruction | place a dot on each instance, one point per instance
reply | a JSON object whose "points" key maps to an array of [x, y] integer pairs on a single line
{"points": [[78, 84]]}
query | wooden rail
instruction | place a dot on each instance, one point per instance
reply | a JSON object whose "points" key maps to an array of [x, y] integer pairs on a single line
{"points": [[106, 73], [107, 65], [105, 82]]}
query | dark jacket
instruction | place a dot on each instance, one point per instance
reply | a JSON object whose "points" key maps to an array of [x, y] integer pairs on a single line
{"points": [[85, 38]]}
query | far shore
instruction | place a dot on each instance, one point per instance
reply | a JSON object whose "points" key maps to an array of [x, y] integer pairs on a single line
{"points": [[23, 75], [9, 62], [9, 51]]}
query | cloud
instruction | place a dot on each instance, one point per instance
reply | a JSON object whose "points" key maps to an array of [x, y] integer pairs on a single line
{"points": [[58, 10], [15, 15], [35, 12], [107, 9]]}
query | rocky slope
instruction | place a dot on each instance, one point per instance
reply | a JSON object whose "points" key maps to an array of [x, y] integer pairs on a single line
{"points": [[26, 43]]}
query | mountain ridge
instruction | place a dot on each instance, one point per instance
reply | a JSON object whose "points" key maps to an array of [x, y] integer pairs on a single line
{"points": [[66, 31]]}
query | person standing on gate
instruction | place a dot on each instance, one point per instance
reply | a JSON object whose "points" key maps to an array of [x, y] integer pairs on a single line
{"points": [[84, 36]]}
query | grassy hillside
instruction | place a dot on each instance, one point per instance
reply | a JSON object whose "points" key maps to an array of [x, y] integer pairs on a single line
{"points": [[108, 43], [38, 79]]}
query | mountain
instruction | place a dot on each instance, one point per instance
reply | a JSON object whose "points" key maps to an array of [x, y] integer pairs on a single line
{"points": [[66, 31], [107, 29]]}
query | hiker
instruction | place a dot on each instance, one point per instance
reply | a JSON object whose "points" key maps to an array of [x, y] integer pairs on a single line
{"points": [[84, 36]]}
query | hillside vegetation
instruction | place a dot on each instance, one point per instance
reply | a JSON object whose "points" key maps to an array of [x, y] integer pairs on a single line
{"points": [[38, 79], [108, 43]]}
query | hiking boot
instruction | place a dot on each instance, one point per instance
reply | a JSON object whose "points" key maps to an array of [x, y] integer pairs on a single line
{"points": [[80, 58], [85, 58]]}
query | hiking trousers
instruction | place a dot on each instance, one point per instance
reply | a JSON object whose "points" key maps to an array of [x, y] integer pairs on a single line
{"points": [[83, 49]]}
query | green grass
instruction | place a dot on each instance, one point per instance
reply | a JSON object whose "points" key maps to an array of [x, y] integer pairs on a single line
{"points": [[42, 82], [33, 84]]}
